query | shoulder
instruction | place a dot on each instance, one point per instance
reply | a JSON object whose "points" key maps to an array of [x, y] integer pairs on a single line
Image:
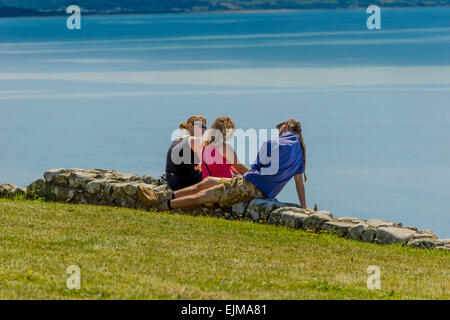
{"points": [[228, 147], [228, 151]]}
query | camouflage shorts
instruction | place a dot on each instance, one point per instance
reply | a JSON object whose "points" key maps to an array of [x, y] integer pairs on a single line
{"points": [[233, 190]]}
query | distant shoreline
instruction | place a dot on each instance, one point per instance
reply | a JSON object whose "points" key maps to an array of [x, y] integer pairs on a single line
{"points": [[27, 13]]}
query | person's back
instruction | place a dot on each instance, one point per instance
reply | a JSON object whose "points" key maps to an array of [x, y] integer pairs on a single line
{"points": [[218, 158], [184, 174], [290, 162], [215, 164], [183, 170]]}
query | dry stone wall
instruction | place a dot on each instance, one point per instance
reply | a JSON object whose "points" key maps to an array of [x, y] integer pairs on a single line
{"points": [[112, 188]]}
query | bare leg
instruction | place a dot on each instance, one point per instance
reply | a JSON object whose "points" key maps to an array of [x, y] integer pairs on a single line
{"points": [[205, 184], [205, 196]]}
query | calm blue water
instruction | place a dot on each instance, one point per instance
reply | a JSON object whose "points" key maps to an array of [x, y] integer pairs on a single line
{"points": [[374, 104]]}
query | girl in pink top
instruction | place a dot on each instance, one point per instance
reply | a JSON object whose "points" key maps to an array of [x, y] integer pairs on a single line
{"points": [[218, 158]]}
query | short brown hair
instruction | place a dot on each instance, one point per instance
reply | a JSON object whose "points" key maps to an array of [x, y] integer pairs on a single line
{"points": [[191, 121]]}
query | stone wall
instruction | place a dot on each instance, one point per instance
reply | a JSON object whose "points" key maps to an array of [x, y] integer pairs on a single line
{"points": [[112, 188]]}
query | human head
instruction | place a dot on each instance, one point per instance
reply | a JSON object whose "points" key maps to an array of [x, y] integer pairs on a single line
{"points": [[294, 126], [223, 126], [290, 125], [192, 123]]}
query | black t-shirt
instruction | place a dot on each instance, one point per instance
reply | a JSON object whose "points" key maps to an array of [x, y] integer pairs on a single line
{"points": [[176, 152]]}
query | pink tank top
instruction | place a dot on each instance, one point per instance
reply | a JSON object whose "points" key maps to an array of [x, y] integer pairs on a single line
{"points": [[215, 162]]}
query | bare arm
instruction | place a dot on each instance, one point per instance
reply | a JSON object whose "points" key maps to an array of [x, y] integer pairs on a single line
{"points": [[196, 146], [301, 190], [232, 159]]}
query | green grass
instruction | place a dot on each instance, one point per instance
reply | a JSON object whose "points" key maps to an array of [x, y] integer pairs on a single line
{"points": [[131, 254]]}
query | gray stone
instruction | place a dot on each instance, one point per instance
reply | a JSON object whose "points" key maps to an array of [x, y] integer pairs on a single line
{"points": [[292, 217], [376, 223], [356, 232], [118, 190], [62, 179], [109, 188], [316, 220], [131, 189], [292, 205], [369, 235], [62, 193], [424, 243], [392, 235], [425, 235], [96, 186], [350, 220], [444, 247], [51, 174], [38, 187], [238, 209], [150, 180], [338, 227], [79, 179], [125, 177], [260, 209], [10, 190]]}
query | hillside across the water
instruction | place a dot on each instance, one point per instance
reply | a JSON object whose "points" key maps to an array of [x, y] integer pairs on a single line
{"points": [[134, 254], [58, 7]]}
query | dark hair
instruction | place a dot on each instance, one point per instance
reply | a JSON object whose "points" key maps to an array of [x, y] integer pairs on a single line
{"points": [[295, 127]]}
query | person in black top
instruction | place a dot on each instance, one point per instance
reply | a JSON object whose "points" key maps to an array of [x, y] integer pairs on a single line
{"points": [[183, 170]]}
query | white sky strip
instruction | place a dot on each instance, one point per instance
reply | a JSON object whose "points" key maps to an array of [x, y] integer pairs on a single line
{"points": [[107, 95], [260, 77]]}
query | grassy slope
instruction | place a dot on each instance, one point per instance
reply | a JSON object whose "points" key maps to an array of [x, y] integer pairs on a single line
{"points": [[135, 254]]}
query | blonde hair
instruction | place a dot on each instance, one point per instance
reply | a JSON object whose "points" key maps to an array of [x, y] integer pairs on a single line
{"points": [[191, 121], [223, 124]]}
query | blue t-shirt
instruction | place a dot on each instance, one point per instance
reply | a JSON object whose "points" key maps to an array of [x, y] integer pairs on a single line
{"points": [[270, 174]]}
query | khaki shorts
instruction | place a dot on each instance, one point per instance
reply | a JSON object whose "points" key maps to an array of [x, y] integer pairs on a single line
{"points": [[233, 190]]}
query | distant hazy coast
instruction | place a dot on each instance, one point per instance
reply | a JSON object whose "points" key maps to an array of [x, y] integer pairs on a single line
{"points": [[15, 8]]}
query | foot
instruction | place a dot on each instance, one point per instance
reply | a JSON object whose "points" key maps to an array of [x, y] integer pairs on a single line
{"points": [[143, 197], [151, 198], [146, 190]]}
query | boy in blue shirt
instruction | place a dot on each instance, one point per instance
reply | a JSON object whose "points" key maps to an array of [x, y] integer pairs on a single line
{"points": [[278, 161]]}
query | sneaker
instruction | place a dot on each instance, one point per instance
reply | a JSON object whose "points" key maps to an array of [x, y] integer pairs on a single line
{"points": [[146, 190], [144, 198], [151, 198]]}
